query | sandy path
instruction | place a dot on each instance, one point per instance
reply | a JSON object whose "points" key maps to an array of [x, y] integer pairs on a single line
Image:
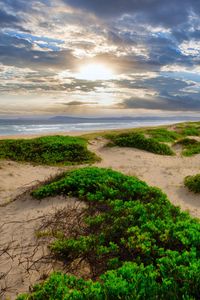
{"points": [[165, 172]]}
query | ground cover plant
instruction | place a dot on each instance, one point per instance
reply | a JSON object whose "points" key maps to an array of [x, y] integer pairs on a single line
{"points": [[189, 128], [187, 142], [190, 146], [47, 150], [138, 140], [163, 135], [191, 149], [138, 244], [193, 183]]}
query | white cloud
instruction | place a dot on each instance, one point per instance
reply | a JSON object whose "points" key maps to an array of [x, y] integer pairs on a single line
{"points": [[191, 47]]}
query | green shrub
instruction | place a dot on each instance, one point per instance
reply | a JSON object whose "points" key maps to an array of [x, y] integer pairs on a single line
{"points": [[193, 183], [192, 149], [163, 135], [95, 184], [47, 150], [131, 281], [190, 146], [191, 130], [139, 244], [186, 142], [138, 140]]}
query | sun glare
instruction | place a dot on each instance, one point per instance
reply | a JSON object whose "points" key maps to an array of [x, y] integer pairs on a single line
{"points": [[95, 72]]}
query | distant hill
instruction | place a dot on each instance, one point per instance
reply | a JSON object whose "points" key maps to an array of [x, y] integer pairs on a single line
{"points": [[75, 120]]}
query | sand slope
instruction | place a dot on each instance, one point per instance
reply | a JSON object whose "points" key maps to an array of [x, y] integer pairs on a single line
{"points": [[18, 177], [20, 251]]}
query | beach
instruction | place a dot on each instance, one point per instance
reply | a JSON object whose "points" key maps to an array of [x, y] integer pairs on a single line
{"points": [[20, 215], [99, 150]]}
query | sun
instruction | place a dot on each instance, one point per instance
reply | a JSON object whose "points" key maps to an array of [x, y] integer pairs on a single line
{"points": [[95, 72]]}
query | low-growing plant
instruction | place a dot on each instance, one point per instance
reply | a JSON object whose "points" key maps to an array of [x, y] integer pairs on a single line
{"points": [[138, 140], [139, 245], [193, 183], [192, 149], [186, 142], [131, 281], [190, 146], [191, 130], [163, 135], [47, 150], [96, 184]]}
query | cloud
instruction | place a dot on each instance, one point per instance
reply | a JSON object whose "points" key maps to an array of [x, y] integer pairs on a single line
{"points": [[165, 103], [20, 52], [23, 5], [27, 80], [168, 94], [155, 11], [79, 103], [162, 93], [147, 44], [7, 19]]}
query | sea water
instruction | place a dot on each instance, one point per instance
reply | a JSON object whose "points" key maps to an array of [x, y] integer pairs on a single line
{"points": [[42, 126]]}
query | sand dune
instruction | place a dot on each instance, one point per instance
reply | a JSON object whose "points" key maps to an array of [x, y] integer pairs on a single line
{"points": [[165, 172], [18, 219]]}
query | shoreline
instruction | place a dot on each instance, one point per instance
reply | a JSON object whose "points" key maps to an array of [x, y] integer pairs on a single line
{"points": [[91, 131], [88, 132]]}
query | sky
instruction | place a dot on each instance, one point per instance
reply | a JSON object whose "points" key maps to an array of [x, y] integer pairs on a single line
{"points": [[96, 57]]}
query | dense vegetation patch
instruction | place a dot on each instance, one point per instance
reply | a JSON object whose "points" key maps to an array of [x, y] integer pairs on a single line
{"points": [[47, 150], [191, 130], [163, 135], [138, 140], [187, 142], [190, 146], [193, 183], [192, 149], [188, 129], [139, 245]]}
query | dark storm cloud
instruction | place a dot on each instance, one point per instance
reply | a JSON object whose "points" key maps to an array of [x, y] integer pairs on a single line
{"points": [[15, 13], [16, 5], [79, 103], [164, 51], [166, 102], [170, 94], [170, 13], [19, 52], [23, 5], [7, 19], [166, 83]]}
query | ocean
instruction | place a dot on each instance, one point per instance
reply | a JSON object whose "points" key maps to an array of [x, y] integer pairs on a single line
{"points": [[25, 126]]}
